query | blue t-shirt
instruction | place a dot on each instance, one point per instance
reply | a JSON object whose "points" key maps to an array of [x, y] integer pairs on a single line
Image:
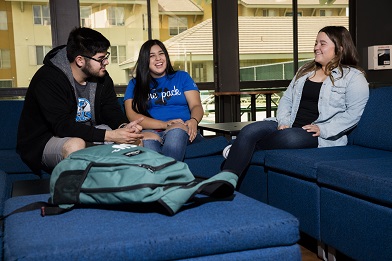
{"points": [[167, 101]]}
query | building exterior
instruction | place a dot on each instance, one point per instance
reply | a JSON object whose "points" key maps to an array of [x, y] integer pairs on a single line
{"points": [[185, 26]]}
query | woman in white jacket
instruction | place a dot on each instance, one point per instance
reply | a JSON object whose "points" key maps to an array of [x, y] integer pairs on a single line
{"points": [[325, 99]]}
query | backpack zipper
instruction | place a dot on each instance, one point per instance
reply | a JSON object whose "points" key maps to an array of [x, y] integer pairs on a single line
{"points": [[145, 166], [150, 168]]}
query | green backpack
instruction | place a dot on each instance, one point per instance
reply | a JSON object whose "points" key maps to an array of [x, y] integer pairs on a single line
{"points": [[121, 174]]}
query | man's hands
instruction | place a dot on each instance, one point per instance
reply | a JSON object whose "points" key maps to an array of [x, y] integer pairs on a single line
{"points": [[134, 125], [130, 134]]}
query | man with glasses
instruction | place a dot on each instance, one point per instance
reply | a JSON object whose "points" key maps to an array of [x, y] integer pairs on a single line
{"points": [[71, 104]]}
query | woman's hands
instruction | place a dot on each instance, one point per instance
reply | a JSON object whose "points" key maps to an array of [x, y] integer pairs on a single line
{"points": [[312, 128], [309, 128], [172, 122], [190, 126], [282, 127]]}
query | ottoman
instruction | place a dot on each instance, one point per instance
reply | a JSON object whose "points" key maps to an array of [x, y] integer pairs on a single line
{"points": [[237, 228]]}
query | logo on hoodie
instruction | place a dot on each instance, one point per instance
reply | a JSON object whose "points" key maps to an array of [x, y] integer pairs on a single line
{"points": [[84, 110]]}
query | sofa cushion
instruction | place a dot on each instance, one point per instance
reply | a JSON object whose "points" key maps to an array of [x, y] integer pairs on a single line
{"points": [[375, 125], [205, 167], [4, 191], [11, 162], [357, 228], [10, 111], [206, 147], [212, 228], [304, 162], [366, 178], [258, 157]]}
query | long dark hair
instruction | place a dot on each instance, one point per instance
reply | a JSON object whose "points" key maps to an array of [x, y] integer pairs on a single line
{"points": [[143, 77], [346, 55]]}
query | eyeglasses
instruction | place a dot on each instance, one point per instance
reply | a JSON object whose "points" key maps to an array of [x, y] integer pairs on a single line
{"points": [[101, 61]]}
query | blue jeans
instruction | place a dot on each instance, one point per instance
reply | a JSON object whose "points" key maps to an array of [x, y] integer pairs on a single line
{"points": [[174, 142], [264, 135]]}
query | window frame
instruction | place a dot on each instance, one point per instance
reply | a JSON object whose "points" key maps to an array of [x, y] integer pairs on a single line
{"points": [[174, 23], [41, 17], [4, 52], [45, 50], [83, 19], [115, 12], [118, 54], [3, 24]]}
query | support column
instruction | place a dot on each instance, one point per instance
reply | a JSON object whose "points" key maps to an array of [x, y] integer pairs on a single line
{"points": [[65, 16], [226, 64]]}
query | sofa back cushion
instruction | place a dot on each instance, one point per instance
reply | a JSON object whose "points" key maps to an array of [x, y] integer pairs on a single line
{"points": [[10, 111], [375, 126]]}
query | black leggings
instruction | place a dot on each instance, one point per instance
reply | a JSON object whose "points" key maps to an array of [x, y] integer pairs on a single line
{"points": [[264, 135]]}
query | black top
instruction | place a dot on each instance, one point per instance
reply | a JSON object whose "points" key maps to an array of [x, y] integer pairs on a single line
{"points": [[308, 107], [50, 109]]}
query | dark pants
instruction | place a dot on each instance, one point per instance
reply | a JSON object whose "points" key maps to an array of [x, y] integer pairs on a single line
{"points": [[264, 135]]}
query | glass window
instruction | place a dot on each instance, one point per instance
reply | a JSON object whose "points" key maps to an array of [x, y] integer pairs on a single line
{"points": [[126, 37], [3, 20], [117, 54], [37, 13], [5, 83], [198, 72], [177, 25], [19, 57], [145, 23], [5, 59], [266, 43], [188, 38], [291, 13], [85, 16], [315, 19], [116, 16], [40, 52], [269, 12], [41, 14], [324, 12]]}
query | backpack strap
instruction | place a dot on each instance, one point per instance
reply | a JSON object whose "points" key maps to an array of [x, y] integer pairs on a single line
{"points": [[217, 189], [46, 208], [220, 185]]}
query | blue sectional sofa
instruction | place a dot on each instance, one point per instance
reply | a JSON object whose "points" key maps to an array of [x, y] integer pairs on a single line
{"points": [[342, 196], [237, 228], [234, 229]]}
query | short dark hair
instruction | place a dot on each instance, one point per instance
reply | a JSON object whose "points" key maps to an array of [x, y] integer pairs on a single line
{"points": [[85, 41]]}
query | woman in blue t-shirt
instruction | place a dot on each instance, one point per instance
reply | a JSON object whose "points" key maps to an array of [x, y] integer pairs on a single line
{"points": [[168, 100]]}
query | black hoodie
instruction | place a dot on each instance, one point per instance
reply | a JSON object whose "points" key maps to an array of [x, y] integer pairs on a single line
{"points": [[50, 109]]}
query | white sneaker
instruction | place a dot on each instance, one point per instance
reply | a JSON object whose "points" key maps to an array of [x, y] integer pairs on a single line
{"points": [[226, 151]]}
